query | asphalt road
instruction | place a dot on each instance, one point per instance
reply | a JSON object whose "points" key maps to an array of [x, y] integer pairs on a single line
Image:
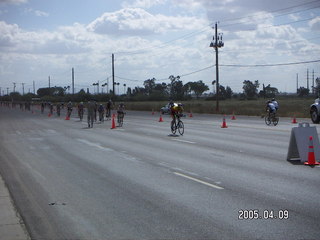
{"points": [[141, 182]]}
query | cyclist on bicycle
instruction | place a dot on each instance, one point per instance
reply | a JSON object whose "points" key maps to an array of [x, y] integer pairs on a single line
{"points": [[101, 113], [270, 107], [275, 103], [90, 117], [121, 112], [80, 110], [108, 109], [69, 108], [176, 110]]}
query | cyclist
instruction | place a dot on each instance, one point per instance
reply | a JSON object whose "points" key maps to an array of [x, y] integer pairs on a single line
{"points": [[275, 103], [270, 108], [95, 110], [121, 112], [69, 108], [58, 109], [50, 108], [80, 110], [108, 109], [42, 107], [176, 110], [101, 113], [91, 106]]}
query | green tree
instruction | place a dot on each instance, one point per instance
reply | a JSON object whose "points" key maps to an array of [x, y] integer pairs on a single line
{"points": [[176, 88], [229, 92], [250, 89], [302, 91], [149, 85], [199, 88]]}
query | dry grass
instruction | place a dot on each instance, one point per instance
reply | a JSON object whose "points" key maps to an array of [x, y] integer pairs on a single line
{"points": [[288, 106]]}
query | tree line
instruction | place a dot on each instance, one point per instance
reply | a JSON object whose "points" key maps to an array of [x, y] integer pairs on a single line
{"points": [[154, 91]]}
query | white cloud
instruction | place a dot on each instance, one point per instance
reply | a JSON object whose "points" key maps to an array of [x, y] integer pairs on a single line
{"points": [[16, 2], [315, 24], [37, 12], [143, 3], [136, 21]]}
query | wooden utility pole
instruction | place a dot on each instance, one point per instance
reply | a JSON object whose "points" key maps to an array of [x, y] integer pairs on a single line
{"points": [[72, 81], [113, 75], [216, 44]]}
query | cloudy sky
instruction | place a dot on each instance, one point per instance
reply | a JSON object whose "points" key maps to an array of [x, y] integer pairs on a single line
{"points": [[156, 39]]}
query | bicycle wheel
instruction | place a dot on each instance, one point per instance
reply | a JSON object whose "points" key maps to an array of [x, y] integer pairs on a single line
{"points": [[173, 127], [275, 121], [180, 127], [121, 120], [267, 120]]}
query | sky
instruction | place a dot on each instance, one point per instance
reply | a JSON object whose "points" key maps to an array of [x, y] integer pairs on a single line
{"points": [[155, 39]]}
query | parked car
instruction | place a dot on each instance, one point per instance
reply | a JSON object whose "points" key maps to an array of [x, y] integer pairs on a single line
{"points": [[165, 109], [315, 111]]}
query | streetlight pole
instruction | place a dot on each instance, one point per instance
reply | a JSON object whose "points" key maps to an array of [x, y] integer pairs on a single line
{"points": [[217, 43]]}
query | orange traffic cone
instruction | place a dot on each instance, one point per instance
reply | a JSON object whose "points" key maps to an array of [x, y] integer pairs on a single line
{"points": [[49, 114], [190, 115], [160, 119], [294, 120], [67, 117], [152, 112], [311, 156], [224, 124], [113, 126], [233, 116]]}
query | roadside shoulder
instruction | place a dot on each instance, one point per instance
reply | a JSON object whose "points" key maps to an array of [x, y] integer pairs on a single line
{"points": [[11, 223]]}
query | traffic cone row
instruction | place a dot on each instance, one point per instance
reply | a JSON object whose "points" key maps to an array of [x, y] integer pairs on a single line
{"points": [[113, 124], [294, 120], [224, 124], [311, 157], [233, 116]]}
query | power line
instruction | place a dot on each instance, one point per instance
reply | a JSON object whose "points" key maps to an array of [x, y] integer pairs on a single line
{"points": [[228, 65], [269, 65]]}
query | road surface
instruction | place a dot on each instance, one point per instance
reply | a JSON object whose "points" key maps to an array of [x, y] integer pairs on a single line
{"points": [[69, 181]]}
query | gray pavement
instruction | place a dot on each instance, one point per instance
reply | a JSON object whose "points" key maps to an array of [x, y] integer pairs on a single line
{"points": [[11, 224], [141, 182]]}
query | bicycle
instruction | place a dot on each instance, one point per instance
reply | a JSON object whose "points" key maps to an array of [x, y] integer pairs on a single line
{"points": [[271, 118], [80, 113], [177, 124], [69, 111], [120, 118]]}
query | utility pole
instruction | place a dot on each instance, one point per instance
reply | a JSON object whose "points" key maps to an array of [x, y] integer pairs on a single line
{"points": [[49, 81], [34, 88], [297, 82], [14, 87], [7, 91], [217, 43], [308, 79], [113, 74], [22, 88], [313, 81], [72, 81]]}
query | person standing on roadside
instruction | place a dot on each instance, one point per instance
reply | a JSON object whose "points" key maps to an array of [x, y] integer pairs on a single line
{"points": [[91, 107]]}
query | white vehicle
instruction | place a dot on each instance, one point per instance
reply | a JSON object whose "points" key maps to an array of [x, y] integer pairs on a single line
{"points": [[315, 111]]}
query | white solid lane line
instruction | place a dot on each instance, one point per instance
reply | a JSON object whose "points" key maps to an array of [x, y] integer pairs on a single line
{"points": [[184, 141], [198, 180]]}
